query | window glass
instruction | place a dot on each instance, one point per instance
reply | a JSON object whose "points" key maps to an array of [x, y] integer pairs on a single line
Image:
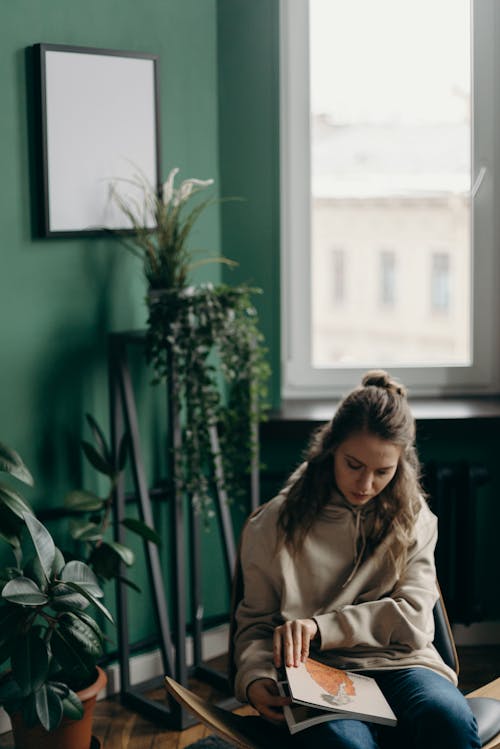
{"points": [[390, 145]]}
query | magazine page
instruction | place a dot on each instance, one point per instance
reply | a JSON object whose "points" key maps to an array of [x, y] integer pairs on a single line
{"points": [[299, 717], [327, 688]]}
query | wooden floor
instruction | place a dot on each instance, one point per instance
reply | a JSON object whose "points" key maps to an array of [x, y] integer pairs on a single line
{"points": [[120, 728]]}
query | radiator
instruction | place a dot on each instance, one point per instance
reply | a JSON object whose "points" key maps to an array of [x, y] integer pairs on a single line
{"points": [[453, 496]]}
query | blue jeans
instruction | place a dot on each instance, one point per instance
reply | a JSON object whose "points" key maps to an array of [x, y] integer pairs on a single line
{"points": [[431, 713]]}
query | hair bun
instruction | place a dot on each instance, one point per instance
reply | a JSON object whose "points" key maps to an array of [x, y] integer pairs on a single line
{"points": [[381, 379]]}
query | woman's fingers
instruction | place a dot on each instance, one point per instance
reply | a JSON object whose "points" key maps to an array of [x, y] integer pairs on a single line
{"points": [[291, 641], [263, 694]]}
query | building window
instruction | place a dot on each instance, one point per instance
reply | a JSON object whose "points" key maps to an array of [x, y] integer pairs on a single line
{"points": [[339, 279], [384, 145], [440, 282], [387, 278]]}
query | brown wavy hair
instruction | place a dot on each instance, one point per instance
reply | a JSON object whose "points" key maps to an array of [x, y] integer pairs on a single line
{"points": [[380, 407]]}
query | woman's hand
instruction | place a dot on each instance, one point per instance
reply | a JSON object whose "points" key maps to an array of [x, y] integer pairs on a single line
{"points": [[264, 696], [291, 641]]}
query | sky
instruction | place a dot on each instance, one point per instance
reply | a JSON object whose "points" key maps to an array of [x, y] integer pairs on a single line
{"points": [[396, 61]]}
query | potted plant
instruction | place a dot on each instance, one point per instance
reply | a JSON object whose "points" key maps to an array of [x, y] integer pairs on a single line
{"points": [[50, 639], [209, 332], [91, 514]]}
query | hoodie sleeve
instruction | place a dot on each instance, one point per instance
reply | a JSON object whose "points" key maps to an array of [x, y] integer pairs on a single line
{"points": [[403, 619], [259, 611]]}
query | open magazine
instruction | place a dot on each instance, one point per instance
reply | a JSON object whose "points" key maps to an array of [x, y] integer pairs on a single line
{"points": [[321, 693]]}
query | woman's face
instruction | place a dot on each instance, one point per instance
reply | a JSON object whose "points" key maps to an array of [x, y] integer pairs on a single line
{"points": [[364, 464]]}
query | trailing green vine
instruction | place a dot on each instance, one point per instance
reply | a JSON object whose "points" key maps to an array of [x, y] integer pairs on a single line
{"points": [[212, 334]]}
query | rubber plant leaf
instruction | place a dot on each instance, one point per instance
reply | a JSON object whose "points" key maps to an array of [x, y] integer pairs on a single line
{"points": [[125, 554], [43, 543], [91, 599], [143, 530], [14, 501], [83, 501], [30, 662], [86, 619], [64, 598], [83, 637], [49, 707], [80, 573], [11, 462], [24, 592], [85, 531], [76, 663], [72, 706]]}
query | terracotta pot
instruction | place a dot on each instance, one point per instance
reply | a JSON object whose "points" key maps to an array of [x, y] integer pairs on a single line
{"points": [[71, 734]]}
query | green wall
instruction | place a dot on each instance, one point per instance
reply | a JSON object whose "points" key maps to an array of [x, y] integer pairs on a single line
{"points": [[248, 66], [60, 298]]}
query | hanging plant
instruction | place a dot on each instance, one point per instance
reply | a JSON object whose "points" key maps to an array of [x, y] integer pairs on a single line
{"points": [[210, 331]]}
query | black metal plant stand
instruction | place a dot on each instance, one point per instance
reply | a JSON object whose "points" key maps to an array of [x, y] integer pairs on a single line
{"points": [[171, 633]]}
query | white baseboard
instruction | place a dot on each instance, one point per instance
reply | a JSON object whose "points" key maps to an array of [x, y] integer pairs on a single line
{"points": [[149, 665]]}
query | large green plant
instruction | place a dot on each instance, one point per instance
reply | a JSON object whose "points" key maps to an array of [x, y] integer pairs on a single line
{"points": [[48, 635]]}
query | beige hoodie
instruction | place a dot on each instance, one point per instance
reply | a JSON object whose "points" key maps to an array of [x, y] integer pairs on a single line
{"points": [[367, 617]]}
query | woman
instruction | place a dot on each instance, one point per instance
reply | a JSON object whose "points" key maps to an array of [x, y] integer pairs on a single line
{"points": [[341, 565]]}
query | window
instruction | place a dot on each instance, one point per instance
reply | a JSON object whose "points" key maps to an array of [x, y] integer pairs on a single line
{"points": [[386, 140], [339, 280], [387, 278], [440, 283]]}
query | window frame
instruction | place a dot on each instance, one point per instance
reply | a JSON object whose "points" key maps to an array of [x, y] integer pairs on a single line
{"points": [[299, 378]]}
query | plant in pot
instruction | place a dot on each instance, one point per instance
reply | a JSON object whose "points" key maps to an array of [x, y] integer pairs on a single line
{"points": [[91, 514], [50, 638], [209, 333]]}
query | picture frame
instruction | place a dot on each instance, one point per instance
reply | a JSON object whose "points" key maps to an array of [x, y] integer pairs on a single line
{"points": [[99, 127]]}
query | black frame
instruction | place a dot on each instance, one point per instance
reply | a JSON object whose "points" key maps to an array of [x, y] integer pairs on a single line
{"points": [[47, 226]]}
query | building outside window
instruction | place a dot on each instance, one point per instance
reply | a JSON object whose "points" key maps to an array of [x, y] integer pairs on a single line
{"points": [[339, 277], [387, 278], [440, 282], [379, 150]]}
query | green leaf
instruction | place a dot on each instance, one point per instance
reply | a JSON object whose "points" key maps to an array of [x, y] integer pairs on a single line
{"points": [[80, 573], [72, 706], [34, 571], [90, 622], [30, 662], [43, 543], [14, 501], [74, 628], [142, 529], [96, 460], [125, 554], [85, 531], [83, 501], [49, 707], [11, 462], [129, 583], [91, 598], [64, 598], [24, 592], [99, 438], [74, 657], [59, 562]]}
